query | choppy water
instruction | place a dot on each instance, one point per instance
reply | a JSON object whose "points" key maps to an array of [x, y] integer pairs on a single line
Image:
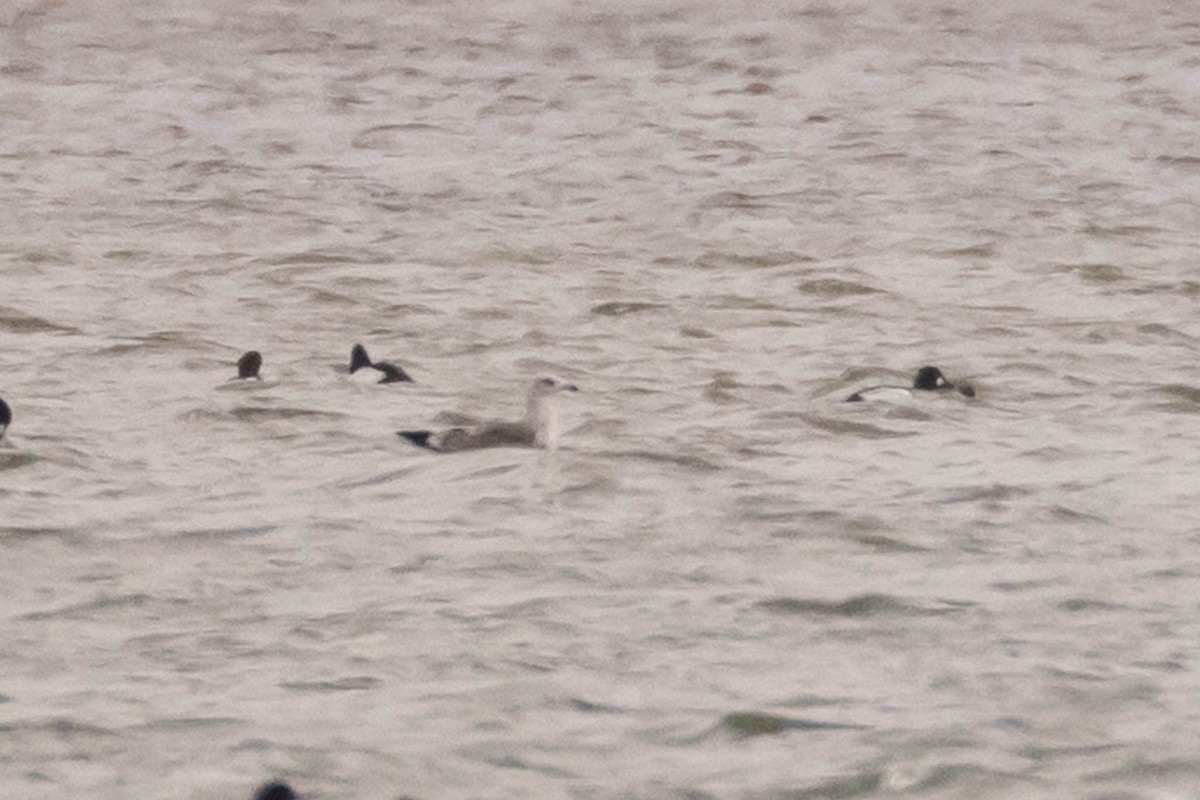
{"points": [[718, 219]]}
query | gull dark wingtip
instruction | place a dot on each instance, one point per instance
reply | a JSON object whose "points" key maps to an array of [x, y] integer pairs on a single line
{"points": [[419, 438], [276, 790], [392, 373]]}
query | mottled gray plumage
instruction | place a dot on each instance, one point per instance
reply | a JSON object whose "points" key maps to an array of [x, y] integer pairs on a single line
{"points": [[537, 429]]}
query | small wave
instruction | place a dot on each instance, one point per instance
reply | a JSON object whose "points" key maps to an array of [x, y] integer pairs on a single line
{"points": [[257, 413], [23, 534], [844, 427], [354, 683], [15, 459], [692, 463], [620, 309], [753, 723], [833, 288], [15, 321], [87, 609], [865, 605]]}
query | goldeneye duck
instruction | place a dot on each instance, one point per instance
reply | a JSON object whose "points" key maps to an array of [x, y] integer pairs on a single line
{"points": [[391, 373], [275, 791], [927, 379], [5, 417], [249, 365]]}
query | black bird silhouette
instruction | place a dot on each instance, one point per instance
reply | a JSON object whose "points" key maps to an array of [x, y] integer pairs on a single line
{"points": [[391, 373], [249, 365], [275, 790]]}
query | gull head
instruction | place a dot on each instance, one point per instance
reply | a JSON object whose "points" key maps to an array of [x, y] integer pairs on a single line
{"points": [[545, 387]]}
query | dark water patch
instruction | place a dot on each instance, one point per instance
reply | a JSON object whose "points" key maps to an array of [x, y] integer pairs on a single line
{"points": [[753, 723], [261, 413], [720, 389], [511, 106], [159, 340], [1025, 586], [764, 507], [733, 200], [318, 257], [222, 534], [1159, 331], [886, 544], [128, 255], [588, 707], [844, 427], [720, 259], [327, 297], [1057, 754], [1181, 392], [1049, 454], [1092, 272], [1146, 771], [89, 609], [968, 778], [509, 761], [1119, 231], [883, 156], [835, 288], [861, 606], [398, 309], [59, 728], [22, 535], [185, 725], [1061, 513], [396, 136], [753, 89], [997, 331], [742, 303], [14, 321], [38, 256], [686, 462], [620, 309], [830, 523], [867, 783], [690, 332], [354, 683], [981, 250], [1185, 162], [997, 492], [377, 480], [15, 459], [489, 472], [1077, 604]]}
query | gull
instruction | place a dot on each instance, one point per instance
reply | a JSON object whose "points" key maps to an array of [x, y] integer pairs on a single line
{"points": [[539, 428]]}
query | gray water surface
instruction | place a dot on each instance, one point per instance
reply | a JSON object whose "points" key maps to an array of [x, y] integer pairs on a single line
{"points": [[718, 219]]}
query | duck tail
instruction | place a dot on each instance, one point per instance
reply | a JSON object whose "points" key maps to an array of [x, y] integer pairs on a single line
{"points": [[359, 358]]}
